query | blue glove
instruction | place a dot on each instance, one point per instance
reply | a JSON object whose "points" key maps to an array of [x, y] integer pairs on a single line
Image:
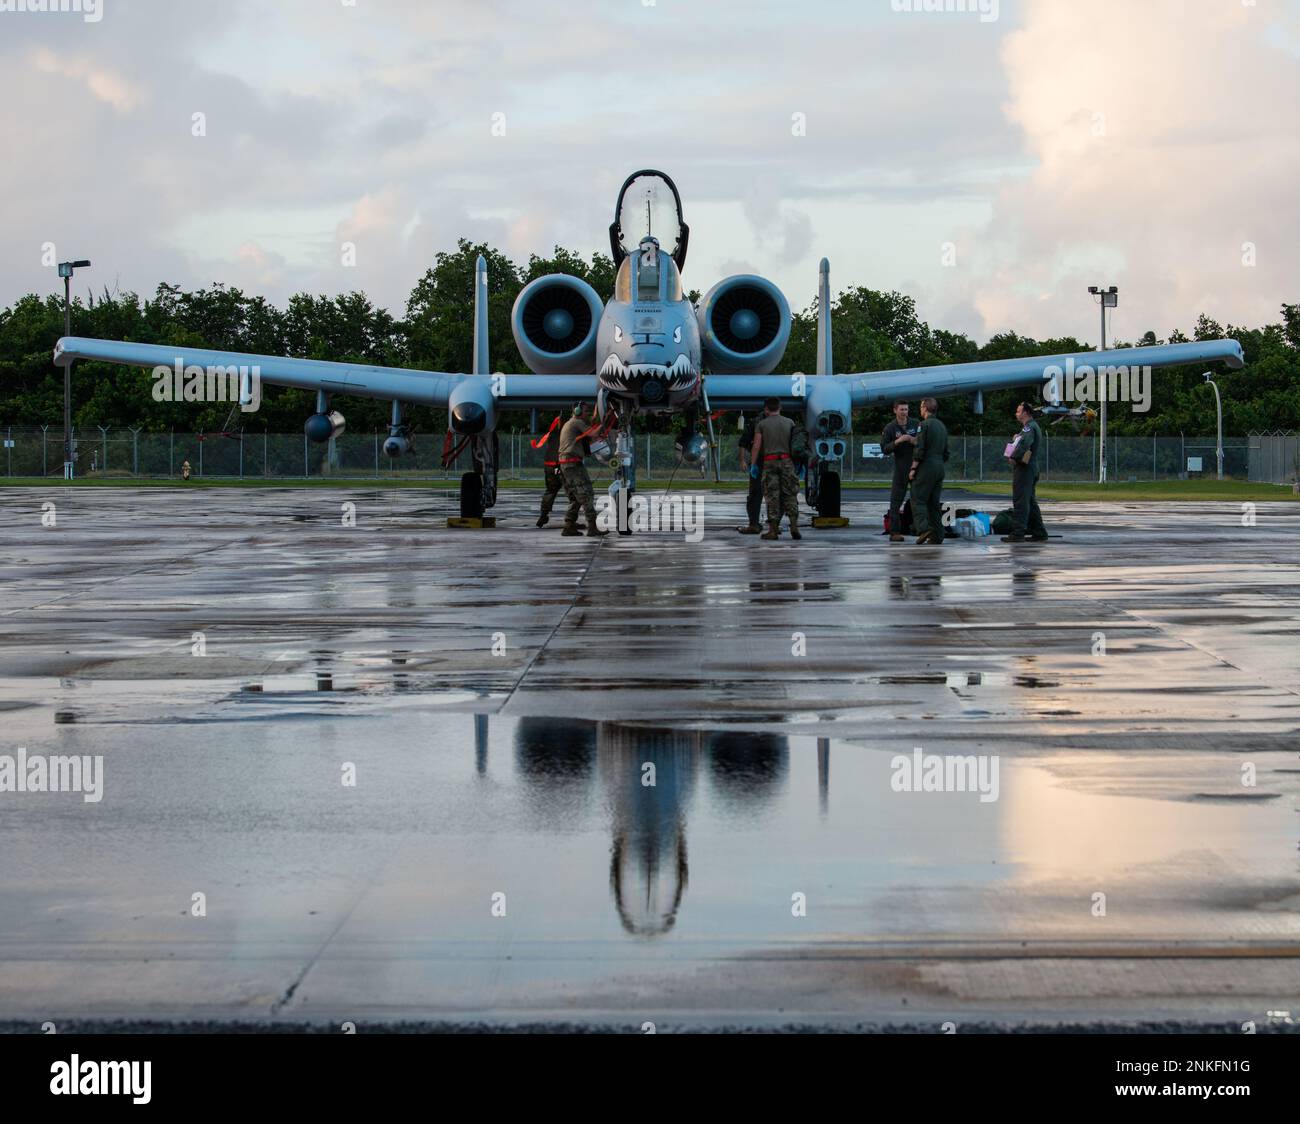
{"points": [[753, 472]]}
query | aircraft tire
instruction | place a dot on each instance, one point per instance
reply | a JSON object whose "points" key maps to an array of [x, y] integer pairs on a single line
{"points": [[471, 495], [828, 494]]}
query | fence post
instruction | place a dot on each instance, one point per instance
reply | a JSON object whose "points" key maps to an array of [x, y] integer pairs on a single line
{"points": [[304, 456], [981, 456], [135, 452], [241, 452], [103, 430], [171, 452], [265, 472], [45, 468], [1153, 457], [201, 444]]}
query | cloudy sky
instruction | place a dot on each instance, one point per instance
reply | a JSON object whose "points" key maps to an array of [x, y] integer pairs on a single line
{"points": [[992, 168]]}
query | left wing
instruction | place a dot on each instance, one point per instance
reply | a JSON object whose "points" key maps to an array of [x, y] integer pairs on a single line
{"points": [[424, 388]]}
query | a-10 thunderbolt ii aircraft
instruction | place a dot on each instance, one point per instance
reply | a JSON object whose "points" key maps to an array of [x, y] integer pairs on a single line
{"points": [[647, 350]]}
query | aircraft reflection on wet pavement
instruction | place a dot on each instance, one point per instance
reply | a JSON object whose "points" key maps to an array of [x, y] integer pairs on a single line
{"points": [[647, 775]]}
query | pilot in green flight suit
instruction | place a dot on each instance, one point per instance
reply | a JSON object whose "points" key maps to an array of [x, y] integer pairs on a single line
{"points": [[1027, 518], [898, 441], [927, 474]]}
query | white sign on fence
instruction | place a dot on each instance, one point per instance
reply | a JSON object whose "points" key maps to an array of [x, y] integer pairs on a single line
{"points": [[871, 452], [1194, 464]]}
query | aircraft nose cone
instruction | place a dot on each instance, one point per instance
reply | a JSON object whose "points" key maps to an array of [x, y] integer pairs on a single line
{"points": [[558, 324], [744, 324], [468, 417]]}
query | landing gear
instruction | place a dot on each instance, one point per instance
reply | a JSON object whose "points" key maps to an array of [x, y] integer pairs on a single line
{"points": [[623, 488], [828, 494], [478, 488], [822, 490], [471, 495]]}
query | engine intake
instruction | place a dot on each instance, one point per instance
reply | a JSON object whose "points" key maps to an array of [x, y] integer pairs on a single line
{"points": [[744, 326], [554, 324]]}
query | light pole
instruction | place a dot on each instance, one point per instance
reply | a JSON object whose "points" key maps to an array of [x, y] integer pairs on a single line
{"points": [[66, 269], [1218, 409], [1109, 299]]}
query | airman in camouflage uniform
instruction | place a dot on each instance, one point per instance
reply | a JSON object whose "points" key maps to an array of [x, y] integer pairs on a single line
{"points": [[574, 445], [772, 446]]}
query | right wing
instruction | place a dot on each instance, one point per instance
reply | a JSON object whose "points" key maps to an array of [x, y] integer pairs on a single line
{"points": [[871, 388]]}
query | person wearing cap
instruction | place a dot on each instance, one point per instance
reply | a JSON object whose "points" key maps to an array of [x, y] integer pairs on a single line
{"points": [[575, 444]]}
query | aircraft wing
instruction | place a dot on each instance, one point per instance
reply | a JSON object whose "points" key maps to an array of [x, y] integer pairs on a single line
{"points": [[425, 388], [870, 388]]}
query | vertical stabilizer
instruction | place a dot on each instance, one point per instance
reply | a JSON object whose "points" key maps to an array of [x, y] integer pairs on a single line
{"points": [[825, 361], [480, 366]]}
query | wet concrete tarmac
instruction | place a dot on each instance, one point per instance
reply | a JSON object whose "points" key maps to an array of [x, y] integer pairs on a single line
{"points": [[502, 699]]}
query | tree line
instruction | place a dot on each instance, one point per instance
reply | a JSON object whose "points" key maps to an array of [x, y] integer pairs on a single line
{"points": [[872, 330]]}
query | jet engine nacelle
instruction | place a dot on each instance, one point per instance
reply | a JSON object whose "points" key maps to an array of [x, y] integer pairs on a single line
{"points": [[396, 445], [554, 324], [321, 427], [471, 409], [744, 326]]}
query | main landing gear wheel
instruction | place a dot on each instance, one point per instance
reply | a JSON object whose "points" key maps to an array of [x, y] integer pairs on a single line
{"points": [[828, 495], [471, 495]]}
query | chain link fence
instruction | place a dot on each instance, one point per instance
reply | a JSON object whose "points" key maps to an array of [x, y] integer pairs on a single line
{"points": [[1274, 458], [109, 452]]}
